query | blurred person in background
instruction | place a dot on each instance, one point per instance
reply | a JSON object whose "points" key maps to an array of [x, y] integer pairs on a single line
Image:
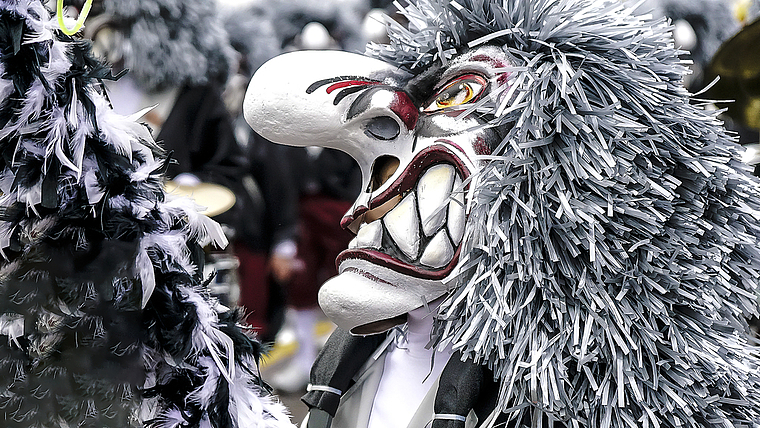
{"points": [[266, 247], [328, 181], [325, 181], [179, 59]]}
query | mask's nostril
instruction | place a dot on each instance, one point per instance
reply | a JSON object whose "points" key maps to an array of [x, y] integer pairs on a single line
{"points": [[382, 170], [382, 128]]}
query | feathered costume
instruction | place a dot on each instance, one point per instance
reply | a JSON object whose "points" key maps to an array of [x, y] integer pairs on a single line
{"points": [[611, 249], [612, 243], [104, 318]]}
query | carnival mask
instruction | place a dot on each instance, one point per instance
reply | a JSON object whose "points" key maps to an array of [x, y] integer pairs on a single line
{"points": [[417, 139]]}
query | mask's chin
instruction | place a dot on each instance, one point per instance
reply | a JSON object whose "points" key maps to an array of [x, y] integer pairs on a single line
{"points": [[378, 326], [367, 299]]}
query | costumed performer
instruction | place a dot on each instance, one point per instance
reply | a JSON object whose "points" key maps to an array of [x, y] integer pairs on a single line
{"points": [[565, 237]]}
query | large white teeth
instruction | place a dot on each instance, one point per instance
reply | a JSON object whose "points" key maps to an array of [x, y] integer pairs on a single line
{"points": [[370, 235], [433, 190], [401, 223], [456, 212], [439, 251], [434, 208]]}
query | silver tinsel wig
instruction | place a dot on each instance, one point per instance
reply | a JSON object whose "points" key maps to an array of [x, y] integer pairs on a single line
{"points": [[612, 242], [104, 317]]}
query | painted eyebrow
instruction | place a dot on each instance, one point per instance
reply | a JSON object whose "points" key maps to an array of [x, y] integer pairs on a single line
{"points": [[341, 82], [425, 84], [421, 86], [343, 93]]}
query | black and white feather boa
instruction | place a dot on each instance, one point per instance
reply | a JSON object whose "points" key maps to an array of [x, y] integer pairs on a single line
{"points": [[104, 317]]}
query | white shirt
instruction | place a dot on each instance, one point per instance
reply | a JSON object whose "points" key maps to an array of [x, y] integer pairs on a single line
{"points": [[410, 370]]}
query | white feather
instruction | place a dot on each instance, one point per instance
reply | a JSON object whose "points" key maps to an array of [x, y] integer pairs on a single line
{"points": [[6, 86], [170, 245], [144, 171], [198, 226], [251, 406], [59, 62], [204, 394], [213, 350], [174, 245], [34, 100], [115, 130], [12, 325], [119, 203], [207, 317], [6, 231], [172, 418], [146, 272], [82, 130], [91, 187], [248, 405], [73, 116], [65, 161], [6, 183], [136, 210], [150, 164], [134, 117], [30, 10], [32, 147], [30, 196], [57, 132]]}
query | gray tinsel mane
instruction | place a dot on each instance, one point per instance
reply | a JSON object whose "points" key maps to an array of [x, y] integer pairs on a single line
{"points": [[612, 247]]}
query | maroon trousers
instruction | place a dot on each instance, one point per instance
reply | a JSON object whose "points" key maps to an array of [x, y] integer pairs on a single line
{"points": [[320, 240], [254, 286]]}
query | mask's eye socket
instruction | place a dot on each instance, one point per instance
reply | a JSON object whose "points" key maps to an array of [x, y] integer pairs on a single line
{"points": [[462, 90]]}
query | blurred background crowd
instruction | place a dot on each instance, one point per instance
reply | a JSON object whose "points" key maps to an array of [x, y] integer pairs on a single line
{"points": [[189, 63]]}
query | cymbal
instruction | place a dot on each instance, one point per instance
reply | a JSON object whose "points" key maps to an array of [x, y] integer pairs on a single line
{"points": [[738, 64], [215, 198]]}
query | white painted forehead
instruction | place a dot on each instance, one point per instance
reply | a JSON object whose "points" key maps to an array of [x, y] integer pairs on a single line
{"points": [[486, 56], [489, 50]]}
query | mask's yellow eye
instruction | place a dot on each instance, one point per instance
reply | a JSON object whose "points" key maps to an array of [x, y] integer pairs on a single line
{"points": [[462, 90]]}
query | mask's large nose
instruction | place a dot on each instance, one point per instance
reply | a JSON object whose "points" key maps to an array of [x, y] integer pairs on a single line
{"points": [[331, 99]]}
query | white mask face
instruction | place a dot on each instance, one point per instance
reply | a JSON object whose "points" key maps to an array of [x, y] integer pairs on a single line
{"points": [[416, 150]]}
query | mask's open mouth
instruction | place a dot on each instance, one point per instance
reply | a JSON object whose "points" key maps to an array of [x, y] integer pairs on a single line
{"points": [[422, 234]]}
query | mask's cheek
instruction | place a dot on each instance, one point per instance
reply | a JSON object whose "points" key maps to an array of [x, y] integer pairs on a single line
{"points": [[469, 133]]}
